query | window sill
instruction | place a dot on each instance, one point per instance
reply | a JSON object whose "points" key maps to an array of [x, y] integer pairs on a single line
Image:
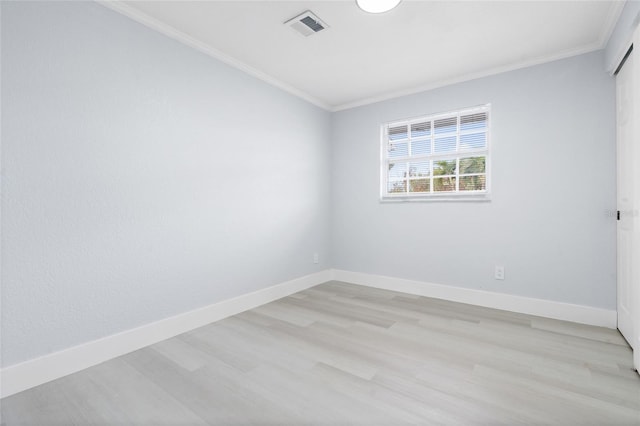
{"points": [[436, 198]]}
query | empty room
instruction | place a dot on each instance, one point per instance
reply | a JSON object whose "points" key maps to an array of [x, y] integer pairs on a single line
{"points": [[349, 212]]}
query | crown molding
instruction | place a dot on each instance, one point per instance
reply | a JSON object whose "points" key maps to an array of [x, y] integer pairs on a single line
{"points": [[607, 29], [186, 39], [468, 77], [615, 10]]}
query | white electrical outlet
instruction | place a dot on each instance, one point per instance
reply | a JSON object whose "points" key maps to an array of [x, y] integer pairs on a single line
{"points": [[316, 258], [499, 273]]}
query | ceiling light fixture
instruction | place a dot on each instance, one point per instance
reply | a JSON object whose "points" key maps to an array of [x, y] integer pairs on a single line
{"points": [[377, 6]]}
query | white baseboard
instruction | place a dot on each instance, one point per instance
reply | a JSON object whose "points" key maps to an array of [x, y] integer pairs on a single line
{"points": [[19, 377], [525, 305]]}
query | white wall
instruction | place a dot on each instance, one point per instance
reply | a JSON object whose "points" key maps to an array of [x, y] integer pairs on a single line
{"points": [[142, 179], [553, 141]]}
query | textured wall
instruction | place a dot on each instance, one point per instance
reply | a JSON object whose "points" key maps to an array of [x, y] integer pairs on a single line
{"points": [[553, 141], [142, 179]]}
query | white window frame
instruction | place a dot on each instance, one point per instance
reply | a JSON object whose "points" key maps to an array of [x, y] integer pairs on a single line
{"points": [[483, 195]]}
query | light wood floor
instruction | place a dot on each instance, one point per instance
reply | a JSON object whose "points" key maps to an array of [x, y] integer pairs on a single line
{"points": [[340, 354]]}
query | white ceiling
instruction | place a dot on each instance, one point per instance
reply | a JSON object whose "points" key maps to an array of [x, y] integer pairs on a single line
{"points": [[362, 58]]}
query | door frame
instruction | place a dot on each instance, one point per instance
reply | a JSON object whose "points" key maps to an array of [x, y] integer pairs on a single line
{"points": [[634, 41], [636, 208]]}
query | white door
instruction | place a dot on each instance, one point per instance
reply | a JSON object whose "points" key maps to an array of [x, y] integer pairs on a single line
{"points": [[636, 210], [625, 176]]}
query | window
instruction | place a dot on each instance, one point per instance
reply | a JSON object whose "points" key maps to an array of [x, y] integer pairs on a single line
{"points": [[444, 156]]}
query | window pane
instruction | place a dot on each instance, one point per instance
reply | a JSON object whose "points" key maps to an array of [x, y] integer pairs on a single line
{"points": [[444, 167], [446, 144], [397, 171], [473, 183], [443, 154], [472, 165], [421, 147], [446, 125], [473, 121], [397, 133], [473, 141], [420, 129], [398, 150], [444, 184], [419, 185], [419, 169], [397, 186]]}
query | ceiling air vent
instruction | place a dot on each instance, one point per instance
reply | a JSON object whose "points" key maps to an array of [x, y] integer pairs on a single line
{"points": [[306, 24]]}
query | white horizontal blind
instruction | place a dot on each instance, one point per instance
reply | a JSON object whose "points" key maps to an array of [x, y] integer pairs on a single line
{"points": [[444, 154]]}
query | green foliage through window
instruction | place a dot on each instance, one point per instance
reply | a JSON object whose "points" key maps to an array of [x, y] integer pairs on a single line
{"points": [[447, 153]]}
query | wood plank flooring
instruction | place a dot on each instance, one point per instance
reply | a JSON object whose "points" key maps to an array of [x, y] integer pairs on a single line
{"points": [[341, 354]]}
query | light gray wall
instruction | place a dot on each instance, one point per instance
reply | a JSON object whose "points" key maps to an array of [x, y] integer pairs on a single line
{"points": [[553, 141], [142, 179], [621, 34]]}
